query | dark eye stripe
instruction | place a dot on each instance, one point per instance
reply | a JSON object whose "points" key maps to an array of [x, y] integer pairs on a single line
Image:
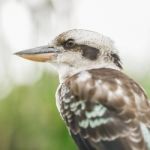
{"points": [[86, 51], [89, 52]]}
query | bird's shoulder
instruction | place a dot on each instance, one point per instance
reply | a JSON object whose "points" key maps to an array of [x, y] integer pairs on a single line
{"points": [[107, 86], [111, 88]]}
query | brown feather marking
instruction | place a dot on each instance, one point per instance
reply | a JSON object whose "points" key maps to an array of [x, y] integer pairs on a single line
{"points": [[126, 115]]}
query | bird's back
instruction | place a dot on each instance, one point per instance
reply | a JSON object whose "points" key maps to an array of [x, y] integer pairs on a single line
{"points": [[104, 110]]}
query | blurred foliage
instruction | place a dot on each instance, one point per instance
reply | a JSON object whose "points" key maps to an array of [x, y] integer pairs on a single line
{"points": [[29, 119]]}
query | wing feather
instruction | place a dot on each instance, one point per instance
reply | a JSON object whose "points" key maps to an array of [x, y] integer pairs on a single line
{"points": [[107, 107]]}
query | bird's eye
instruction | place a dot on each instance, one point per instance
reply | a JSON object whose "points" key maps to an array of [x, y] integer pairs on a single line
{"points": [[69, 43]]}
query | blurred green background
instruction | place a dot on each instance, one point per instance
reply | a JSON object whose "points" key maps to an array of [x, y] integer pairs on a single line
{"points": [[29, 119]]}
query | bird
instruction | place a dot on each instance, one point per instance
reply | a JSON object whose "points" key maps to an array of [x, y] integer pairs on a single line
{"points": [[102, 107]]}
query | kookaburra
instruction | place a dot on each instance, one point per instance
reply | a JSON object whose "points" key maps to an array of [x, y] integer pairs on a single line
{"points": [[102, 107]]}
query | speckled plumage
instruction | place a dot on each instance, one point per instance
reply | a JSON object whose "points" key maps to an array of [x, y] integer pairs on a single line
{"points": [[108, 108]]}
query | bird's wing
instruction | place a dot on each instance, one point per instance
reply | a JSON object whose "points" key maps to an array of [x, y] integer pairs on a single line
{"points": [[104, 109]]}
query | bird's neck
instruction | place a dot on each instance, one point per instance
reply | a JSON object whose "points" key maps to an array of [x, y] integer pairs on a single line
{"points": [[66, 71]]}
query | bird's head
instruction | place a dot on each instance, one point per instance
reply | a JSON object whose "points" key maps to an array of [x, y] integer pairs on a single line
{"points": [[76, 50]]}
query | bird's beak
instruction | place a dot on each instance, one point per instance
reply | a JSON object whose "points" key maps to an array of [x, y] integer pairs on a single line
{"points": [[41, 54]]}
